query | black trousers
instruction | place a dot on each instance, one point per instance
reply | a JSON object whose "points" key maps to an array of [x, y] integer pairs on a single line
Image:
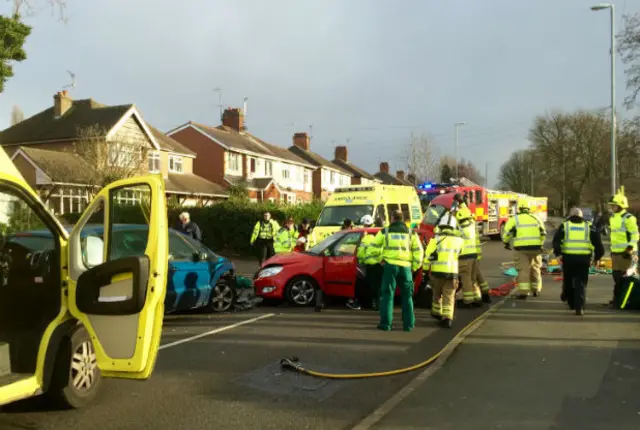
{"points": [[374, 277], [264, 249], [574, 281]]}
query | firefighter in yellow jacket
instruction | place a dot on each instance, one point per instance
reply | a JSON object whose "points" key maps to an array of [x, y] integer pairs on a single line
{"points": [[285, 239], [441, 260], [468, 260], [263, 236], [368, 257], [400, 251], [624, 240], [528, 234]]}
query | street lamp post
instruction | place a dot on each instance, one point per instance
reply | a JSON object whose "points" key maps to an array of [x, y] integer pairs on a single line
{"points": [[611, 8], [457, 125]]}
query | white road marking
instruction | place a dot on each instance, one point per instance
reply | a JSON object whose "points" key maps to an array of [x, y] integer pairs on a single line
{"points": [[214, 331]]}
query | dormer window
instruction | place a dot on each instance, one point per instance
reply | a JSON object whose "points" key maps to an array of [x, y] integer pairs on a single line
{"points": [[175, 164]]}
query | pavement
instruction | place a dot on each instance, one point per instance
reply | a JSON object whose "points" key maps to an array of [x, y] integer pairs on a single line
{"points": [[536, 365]]}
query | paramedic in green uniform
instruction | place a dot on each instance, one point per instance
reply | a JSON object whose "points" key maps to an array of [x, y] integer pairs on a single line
{"points": [[400, 252]]}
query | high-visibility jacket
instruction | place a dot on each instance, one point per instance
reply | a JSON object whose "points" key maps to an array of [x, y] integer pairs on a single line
{"points": [[265, 230], [442, 253], [285, 240], [471, 239], [624, 232], [577, 238], [397, 245], [526, 231], [368, 254]]}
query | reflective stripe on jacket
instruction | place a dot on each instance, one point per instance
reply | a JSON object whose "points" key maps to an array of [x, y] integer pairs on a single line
{"points": [[624, 232], [285, 240], [577, 239], [525, 230], [441, 255]]}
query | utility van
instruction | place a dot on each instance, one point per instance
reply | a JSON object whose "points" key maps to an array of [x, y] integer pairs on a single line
{"points": [[379, 201], [71, 312]]}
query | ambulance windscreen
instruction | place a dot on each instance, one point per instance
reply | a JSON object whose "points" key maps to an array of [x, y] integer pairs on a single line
{"points": [[334, 216]]}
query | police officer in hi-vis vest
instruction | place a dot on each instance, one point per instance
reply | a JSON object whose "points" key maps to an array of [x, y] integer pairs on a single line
{"points": [[624, 239], [263, 235], [285, 240], [576, 241], [441, 265], [528, 235]]}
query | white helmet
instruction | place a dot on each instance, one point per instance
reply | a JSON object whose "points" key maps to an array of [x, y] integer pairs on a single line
{"points": [[366, 220], [448, 220]]}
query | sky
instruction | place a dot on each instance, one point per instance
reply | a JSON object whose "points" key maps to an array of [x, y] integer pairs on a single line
{"points": [[365, 73]]}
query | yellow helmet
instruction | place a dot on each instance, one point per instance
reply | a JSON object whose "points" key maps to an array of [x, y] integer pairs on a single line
{"points": [[463, 213], [523, 205], [619, 200]]}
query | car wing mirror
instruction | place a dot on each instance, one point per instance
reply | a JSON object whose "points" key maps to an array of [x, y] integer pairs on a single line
{"points": [[199, 256]]}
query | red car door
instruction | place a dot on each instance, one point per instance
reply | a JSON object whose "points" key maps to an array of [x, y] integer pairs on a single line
{"points": [[340, 266]]}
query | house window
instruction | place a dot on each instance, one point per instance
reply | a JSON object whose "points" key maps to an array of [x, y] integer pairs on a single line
{"points": [[175, 164], [285, 172], [307, 177], [289, 198], [333, 178], [268, 168], [154, 162], [234, 162], [71, 199], [252, 165], [299, 174]]}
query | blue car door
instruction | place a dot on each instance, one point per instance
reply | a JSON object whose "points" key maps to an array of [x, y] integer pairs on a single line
{"points": [[189, 280]]}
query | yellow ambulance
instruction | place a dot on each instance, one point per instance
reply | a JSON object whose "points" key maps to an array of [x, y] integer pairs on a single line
{"points": [[71, 312], [354, 202]]}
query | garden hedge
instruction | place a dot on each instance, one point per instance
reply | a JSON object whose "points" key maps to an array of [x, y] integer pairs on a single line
{"points": [[227, 226]]}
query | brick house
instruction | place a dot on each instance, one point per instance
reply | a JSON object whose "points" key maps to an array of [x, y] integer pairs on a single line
{"points": [[228, 155], [327, 175], [44, 148], [388, 179], [358, 175]]}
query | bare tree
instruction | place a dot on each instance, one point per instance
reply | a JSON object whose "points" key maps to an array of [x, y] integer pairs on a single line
{"points": [[108, 159], [423, 161], [516, 173], [16, 115], [629, 48], [466, 169], [32, 7]]}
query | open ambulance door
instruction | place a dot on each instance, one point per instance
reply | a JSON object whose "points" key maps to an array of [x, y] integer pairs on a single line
{"points": [[118, 257]]}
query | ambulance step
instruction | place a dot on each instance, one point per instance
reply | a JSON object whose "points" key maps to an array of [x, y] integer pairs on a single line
{"points": [[5, 359], [12, 377]]}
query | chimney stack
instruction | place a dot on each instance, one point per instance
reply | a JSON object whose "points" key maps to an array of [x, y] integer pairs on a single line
{"points": [[301, 140], [384, 167], [342, 154], [400, 175], [61, 103], [233, 118], [411, 178]]}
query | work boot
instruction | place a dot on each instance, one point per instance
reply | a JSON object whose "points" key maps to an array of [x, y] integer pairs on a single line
{"points": [[580, 312], [476, 304], [522, 296], [446, 323], [486, 298], [536, 293], [436, 316]]}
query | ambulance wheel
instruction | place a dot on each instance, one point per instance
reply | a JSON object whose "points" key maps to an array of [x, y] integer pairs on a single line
{"points": [[76, 377], [301, 291]]}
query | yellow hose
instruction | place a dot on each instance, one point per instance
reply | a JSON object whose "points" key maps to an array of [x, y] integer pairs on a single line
{"points": [[290, 363]]}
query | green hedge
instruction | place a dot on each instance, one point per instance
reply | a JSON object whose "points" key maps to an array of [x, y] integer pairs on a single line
{"points": [[227, 226]]}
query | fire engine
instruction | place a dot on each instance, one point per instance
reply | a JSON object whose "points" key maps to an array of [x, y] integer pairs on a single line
{"points": [[492, 208]]}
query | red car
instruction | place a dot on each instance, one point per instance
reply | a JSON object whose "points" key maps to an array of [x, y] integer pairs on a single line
{"points": [[330, 265]]}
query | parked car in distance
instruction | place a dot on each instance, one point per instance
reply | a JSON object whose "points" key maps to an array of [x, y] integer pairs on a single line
{"points": [[330, 265], [198, 277]]}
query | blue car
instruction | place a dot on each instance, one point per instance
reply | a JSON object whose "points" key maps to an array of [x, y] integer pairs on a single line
{"points": [[198, 277]]}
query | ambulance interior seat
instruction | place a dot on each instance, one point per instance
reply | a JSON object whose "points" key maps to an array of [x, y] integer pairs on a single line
{"points": [[30, 295]]}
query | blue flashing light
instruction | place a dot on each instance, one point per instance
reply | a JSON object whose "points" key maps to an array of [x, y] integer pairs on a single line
{"points": [[426, 186]]}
